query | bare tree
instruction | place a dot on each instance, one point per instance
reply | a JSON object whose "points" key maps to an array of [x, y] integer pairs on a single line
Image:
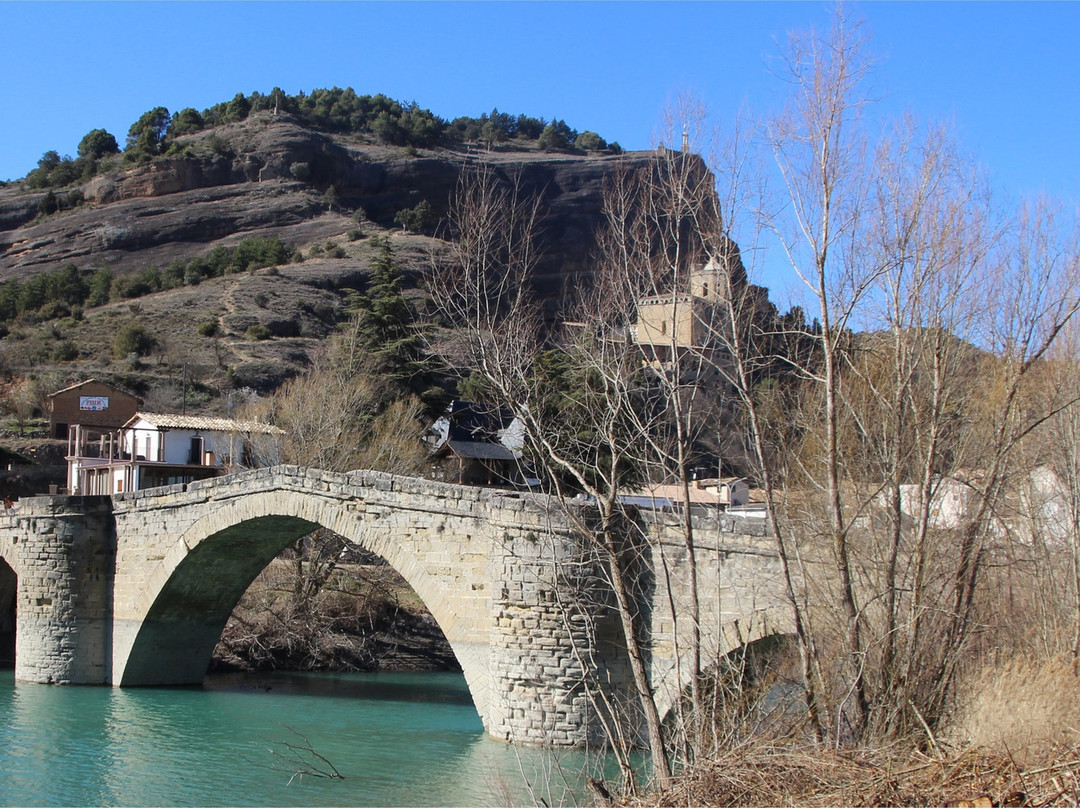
{"points": [[1063, 457], [662, 226], [956, 314], [820, 152], [578, 402]]}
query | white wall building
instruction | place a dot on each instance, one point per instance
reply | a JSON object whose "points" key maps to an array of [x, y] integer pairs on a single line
{"points": [[154, 449]]}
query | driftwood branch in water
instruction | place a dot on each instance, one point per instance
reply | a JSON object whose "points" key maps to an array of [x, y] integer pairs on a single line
{"points": [[300, 759]]}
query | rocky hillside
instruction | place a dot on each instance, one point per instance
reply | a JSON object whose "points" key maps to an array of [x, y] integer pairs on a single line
{"points": [[238, 180], [267, 176]]}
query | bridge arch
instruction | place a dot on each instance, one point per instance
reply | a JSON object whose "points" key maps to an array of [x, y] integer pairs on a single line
{"points": [[733, 636], [168, 634], [135, 588], [9, 584]]}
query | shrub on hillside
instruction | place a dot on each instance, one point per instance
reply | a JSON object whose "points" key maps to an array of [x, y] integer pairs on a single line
{"points": [[418, 219], [132, 339], [262, 376]]}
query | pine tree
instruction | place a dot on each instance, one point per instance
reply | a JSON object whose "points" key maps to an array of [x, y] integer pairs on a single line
{"points": [[387, 330]]}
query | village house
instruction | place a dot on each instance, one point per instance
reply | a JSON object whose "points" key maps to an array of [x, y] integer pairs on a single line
{"points": [[154, 449], [92, 404], [951, 499], [480, 445], [714, 495]]}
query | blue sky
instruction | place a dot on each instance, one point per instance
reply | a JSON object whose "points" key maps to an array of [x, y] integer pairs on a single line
{"points": [[1006, 75]]}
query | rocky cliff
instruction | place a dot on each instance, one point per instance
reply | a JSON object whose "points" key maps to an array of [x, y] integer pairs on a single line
{"points": [[266, 176], [269, 176]]}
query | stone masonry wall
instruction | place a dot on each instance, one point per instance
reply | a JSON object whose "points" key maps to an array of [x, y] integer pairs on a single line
{"points": [[513, 589], [63, 548], [541, 638], [740, 592]]}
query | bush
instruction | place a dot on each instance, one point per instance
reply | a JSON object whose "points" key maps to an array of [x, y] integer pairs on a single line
{"points": [[219, 145], [417, 219], [255, 253], [209, 328], [65, 351], [261, 375], [590, 141], [54, 310], [258, 332], [133, 339]]}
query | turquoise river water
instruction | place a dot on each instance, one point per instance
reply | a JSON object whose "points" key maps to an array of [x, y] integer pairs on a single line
{"points": [[407, 739]]}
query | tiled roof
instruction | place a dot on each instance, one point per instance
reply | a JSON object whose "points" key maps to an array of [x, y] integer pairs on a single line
{"points": [[204, 423]]}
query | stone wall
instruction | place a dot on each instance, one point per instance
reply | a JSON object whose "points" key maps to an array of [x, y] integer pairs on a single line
{"points": [[62, 549], [741, 596], [136, 588]]}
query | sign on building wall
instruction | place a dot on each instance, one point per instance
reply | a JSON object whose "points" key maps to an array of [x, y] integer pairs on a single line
{"points": [[94, 403]]}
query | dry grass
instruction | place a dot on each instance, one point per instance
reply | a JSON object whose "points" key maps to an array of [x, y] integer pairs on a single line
{"points": [[1013, 742], [1023, 708], [788, 776]]}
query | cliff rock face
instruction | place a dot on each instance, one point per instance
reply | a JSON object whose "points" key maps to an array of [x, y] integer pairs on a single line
{"points": [[269, 176]]}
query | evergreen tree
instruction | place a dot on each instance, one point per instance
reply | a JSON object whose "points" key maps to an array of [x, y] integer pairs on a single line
{"points": [[387, 331], [97, 143], [147, 135]]}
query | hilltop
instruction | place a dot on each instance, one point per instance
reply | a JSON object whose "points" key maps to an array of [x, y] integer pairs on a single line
{"points": [[271, 178]]}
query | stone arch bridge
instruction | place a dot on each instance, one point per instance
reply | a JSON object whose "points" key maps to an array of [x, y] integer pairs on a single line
{"points": [[135, 589]]}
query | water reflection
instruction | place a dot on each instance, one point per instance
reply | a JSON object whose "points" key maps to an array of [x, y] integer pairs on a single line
{"points": [[397, 739]]}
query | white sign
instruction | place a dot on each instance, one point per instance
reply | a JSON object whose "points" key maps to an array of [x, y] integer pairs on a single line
{"points": [[94, 403]]}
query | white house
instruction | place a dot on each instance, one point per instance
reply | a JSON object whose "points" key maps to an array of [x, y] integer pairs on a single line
{"points": [[154, 449], [716, 494], [951, 500]]}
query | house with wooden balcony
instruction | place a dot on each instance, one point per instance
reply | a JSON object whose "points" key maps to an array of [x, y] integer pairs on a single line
{"points": [[155, 449]]}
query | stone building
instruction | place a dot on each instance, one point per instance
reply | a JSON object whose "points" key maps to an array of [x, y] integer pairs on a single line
{"points": [[687, 318]]}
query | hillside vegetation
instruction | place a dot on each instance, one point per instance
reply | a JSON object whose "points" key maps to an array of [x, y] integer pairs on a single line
{"points": [[211, 256], [159, 132]]}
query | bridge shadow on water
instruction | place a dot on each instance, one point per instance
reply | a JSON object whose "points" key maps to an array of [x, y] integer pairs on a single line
{"points": [[438, 688]]}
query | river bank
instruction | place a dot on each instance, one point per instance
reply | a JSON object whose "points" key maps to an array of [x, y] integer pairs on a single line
{"points": [[363, 618], [782, 774]]}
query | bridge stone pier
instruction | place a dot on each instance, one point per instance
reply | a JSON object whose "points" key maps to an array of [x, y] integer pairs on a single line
{"points": [[135, 589]]}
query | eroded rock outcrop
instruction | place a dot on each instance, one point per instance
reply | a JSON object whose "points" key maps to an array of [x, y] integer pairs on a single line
{"points": [[269, 176]]}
